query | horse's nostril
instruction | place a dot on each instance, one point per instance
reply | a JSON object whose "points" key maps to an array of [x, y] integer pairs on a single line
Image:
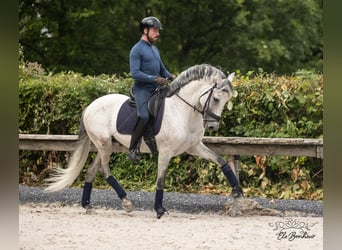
{"points": [[213, 127]]}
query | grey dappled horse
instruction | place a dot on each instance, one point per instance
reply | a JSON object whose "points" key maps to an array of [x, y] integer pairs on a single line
{"points": [[195, 100]]}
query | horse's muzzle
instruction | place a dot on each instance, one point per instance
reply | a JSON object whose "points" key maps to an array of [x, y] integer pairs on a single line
{"points": [[212, 125], [212, 121]]}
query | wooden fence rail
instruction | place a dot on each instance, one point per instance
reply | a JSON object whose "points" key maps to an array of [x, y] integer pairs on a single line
{"points": [[221, 145]]}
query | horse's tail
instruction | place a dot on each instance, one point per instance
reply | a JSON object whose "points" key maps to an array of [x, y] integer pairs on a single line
{"points": [[65, 177]]}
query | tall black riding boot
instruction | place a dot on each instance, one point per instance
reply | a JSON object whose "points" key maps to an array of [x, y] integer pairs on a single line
{"points": [[138, 132], [151, 143], [149, 138]]}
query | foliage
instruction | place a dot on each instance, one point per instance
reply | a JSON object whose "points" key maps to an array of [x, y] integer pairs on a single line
{"points": [[95, 37], [91, 37], [265, 105], [53, 104]]}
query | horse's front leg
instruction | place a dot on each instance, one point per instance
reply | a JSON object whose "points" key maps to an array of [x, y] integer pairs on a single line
{"points": [[204, 152], [163, 162]]}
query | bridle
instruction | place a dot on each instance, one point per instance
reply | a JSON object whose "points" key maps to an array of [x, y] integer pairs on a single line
{"points": [[205, 111]]}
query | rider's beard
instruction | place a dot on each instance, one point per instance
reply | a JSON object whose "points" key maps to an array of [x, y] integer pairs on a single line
{"points": [[152, 39]]}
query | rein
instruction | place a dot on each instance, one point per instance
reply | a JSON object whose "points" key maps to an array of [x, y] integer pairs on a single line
{"points": [[205, 110]]}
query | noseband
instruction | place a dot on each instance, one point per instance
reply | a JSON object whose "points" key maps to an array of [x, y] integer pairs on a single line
{"points": [[205, 110]]}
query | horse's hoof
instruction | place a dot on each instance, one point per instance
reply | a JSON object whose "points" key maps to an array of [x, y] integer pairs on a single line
{"points": [[89, 209], [234, 208], [127, 205], [134, 156], [160, 212], [237, 192], [87, 206]]}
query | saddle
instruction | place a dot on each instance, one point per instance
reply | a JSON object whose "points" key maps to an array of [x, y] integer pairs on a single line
{"points": [[127, 116], [155, 100]]}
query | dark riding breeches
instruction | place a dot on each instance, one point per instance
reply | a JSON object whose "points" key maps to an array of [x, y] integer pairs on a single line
{"points": [[142, 94]]}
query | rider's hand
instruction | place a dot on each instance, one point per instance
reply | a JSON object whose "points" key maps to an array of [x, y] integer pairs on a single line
{"points": [[172, 77], [161, 81]]}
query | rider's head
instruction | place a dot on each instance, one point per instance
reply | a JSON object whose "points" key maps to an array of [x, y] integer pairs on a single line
{"points": [[152, 24]]}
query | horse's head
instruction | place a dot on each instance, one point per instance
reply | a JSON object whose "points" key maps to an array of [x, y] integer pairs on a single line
{"points": [[214, 100]]}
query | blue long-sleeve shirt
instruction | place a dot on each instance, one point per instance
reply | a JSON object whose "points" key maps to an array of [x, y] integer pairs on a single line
{"points": [[145, 63]]}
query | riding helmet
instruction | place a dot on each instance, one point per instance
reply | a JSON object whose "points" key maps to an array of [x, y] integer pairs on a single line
{"points": [[150, 21]]}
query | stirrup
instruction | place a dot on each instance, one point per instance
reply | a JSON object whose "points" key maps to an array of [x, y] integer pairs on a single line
{"points": [[134, 156]]}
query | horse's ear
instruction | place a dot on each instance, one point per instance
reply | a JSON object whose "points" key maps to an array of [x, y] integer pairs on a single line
{"points": [[231, 77]]}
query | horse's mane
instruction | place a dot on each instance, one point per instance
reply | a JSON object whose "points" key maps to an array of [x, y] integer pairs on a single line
{"points": [[195, 72]]}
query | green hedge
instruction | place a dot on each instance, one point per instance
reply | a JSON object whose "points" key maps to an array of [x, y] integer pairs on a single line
{"points": [[264, 105]]}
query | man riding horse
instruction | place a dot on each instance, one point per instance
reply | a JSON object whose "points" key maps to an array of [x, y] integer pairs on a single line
{"points": [[199, 94], [148, 72]]}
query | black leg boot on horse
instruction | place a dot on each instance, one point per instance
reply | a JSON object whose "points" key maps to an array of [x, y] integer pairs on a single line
{"points": [[137, 134], [237, 192], [233, 181]]}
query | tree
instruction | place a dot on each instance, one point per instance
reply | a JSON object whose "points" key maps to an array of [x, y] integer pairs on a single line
{"points": [[94, 37], [277, 36], [83, 36]]}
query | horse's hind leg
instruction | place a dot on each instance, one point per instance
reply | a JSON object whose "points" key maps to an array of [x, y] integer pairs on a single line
{"points": [[105, 153], [91, 173]]}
